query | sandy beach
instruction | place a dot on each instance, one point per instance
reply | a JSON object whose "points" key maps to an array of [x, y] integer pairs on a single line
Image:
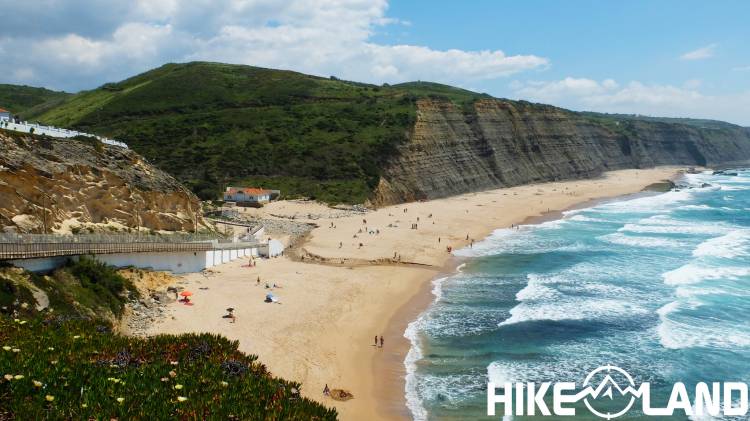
{"points": [[355, 277]]}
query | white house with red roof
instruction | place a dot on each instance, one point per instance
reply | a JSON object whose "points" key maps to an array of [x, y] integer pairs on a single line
{"points": [[247, 195], [4, 114]]}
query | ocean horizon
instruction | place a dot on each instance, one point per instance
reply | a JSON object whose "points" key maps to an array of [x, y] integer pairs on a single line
{"points": [[654, 284]]}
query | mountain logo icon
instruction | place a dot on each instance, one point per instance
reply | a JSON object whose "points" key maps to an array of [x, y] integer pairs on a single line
{"points": [[608, 388]]}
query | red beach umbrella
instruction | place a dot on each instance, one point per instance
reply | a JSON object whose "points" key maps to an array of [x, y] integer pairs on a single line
{"points": [[186, 293]]}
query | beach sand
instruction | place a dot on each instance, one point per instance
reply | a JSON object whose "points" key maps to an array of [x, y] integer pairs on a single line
{"points": [[331, 309]]}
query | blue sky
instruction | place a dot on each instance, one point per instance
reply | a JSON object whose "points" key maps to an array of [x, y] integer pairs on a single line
{"points": [[627, 40], [671, 58]]}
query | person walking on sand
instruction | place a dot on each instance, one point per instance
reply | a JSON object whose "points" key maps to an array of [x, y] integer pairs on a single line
{"points": [[326, 391], [381, 341], [257, 282], [376, 340]]}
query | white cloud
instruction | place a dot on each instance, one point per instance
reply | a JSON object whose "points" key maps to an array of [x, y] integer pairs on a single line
{"points": [[322, 37], [700, 54], [637, 98]]}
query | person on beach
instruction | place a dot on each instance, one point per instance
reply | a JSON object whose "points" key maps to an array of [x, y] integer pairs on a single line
{"points": [[381, 341], [341, 244], [326, 391], [257, 281], [376, 340]]}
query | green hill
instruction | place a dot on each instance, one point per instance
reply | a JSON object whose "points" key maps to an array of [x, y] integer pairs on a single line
{"points": [[18, 99], [211, 124]]}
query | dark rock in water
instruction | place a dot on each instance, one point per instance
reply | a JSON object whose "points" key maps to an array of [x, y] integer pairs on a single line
{"points": [[733, 174], [662, 186], [704, 185], [717, 172]]}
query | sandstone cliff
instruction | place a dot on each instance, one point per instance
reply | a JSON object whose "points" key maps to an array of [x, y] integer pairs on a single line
{"points": [[63, 185], [493, 143]]}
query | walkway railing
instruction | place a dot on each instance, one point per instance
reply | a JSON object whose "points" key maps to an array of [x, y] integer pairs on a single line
{"points": [[30, 246], [108, 238]]}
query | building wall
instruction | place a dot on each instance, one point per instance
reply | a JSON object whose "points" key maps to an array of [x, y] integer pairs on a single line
{"points": [[175, 262], [182, 262]]}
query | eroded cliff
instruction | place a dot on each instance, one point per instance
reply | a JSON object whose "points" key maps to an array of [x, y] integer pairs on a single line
{"points": [[64, 185], [494, 143]]}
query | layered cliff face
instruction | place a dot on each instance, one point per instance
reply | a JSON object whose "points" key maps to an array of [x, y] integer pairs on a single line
{"points": [[494, 143], [64, 185]]}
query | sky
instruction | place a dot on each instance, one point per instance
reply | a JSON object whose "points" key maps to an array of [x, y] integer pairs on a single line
{"points": [[676, 58]]}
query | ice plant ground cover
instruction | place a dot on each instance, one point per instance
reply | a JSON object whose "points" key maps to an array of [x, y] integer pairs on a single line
{"points": [[56, 367]]}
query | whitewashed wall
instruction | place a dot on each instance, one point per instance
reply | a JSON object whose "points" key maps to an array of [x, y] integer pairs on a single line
{"points": [[175, 262]]}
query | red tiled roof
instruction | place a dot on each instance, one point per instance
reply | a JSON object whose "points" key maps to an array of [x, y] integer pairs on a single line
{"points": [[247, 190], [3, 110]]}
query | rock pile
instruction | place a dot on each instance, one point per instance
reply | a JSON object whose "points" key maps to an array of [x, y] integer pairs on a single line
{"points": [[147, 310]]}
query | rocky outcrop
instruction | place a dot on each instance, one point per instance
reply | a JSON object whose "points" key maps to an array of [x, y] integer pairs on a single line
{"points": [[64, 185], [495, 143]]}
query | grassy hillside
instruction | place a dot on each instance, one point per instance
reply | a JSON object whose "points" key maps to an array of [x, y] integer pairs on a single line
{"points": [[65, 362], [212, 124], [18, 99]]}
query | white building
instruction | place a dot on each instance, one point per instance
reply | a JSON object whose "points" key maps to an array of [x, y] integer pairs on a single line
{"points": [[247, 195], [4, 115]]}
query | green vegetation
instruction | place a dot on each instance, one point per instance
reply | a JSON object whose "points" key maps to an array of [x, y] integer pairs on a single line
{"points": [[437, 90], [214, 124], [83, 287], [61, 368], [211, 125], [609, 119], [17, 99], [65, 362]]}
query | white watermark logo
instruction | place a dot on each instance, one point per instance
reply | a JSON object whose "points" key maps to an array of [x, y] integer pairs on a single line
{"points": [[616, 389]]}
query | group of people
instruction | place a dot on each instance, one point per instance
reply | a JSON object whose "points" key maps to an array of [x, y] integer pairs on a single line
{"points": [[379, 341]]}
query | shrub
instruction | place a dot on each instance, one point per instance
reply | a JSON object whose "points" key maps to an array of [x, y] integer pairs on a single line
{"points": [[68, 368]]}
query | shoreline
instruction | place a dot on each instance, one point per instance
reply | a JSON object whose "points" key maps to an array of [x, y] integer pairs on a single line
{"points": [[397, 408], [323, 332]]}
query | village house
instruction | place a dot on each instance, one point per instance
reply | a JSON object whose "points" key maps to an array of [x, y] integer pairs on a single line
{"points": [[4, 115], [247, 195]]}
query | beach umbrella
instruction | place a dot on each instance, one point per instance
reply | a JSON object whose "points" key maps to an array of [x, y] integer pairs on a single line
{"points": [[186, 293]]}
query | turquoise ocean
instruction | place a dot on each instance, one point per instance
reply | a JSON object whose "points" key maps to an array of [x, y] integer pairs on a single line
{"points": [[658, 285]]}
